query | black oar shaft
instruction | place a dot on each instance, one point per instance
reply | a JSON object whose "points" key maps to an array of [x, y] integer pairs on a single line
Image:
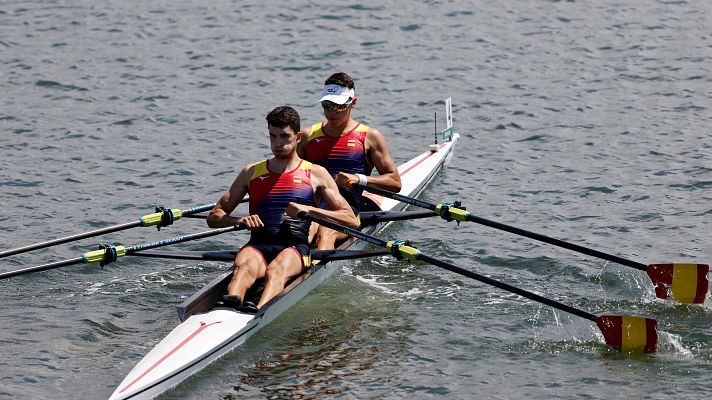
{"points": [[43, 267], [524, 293], [376, 217], [397, 197], [166, 242], [556, 242], [226, 255], [101, 254], [508, 228], [97, 232], [72, 238], [454, 268]]}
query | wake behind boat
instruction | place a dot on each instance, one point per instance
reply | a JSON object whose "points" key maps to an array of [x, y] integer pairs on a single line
{"points": [[209, 330]]}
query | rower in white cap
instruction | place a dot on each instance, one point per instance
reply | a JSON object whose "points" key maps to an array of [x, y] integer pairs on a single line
{"points": [[349, 150]]}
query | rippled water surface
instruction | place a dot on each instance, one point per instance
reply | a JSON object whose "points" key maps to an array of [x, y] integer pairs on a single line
{"points": [[586, 121]]}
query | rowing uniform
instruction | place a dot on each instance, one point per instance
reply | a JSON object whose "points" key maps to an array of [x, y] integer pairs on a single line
{"points": [[346, 153], [270, 193]]}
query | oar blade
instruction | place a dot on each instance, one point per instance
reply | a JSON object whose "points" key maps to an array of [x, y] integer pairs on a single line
{"points": [[685, 283], [629, 334]]}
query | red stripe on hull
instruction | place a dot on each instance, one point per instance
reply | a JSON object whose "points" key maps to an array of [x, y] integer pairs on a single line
{"points": [[421, 160], [202, 327]]}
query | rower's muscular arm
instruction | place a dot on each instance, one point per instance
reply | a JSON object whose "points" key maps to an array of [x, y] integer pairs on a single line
{"points": [[325, 188], [378, 155], [220, 217]]}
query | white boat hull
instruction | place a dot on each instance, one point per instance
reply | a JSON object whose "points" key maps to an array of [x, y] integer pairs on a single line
{"points": [[207, 333]]}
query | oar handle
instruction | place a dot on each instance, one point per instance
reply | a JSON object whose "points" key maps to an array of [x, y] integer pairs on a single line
{"points": [[395, 196], [345, 229]]}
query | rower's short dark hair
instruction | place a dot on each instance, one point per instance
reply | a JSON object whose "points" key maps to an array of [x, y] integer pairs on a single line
{"points": [[341, 79], [284, 116]]}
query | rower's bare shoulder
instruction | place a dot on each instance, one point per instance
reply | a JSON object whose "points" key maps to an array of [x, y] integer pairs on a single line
{"points": [[244, 176], [319, 172], [306, 131], [303, 142], [374, 137], [250, 167], [373, 132]]}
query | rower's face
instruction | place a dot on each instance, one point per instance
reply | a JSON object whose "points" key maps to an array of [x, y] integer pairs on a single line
{"points": [[283, 141]]}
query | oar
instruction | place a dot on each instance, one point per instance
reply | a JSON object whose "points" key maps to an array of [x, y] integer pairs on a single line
{"points": [[686, 282], [109, 253], [622, 332], [229, 256], [162, 217], [369, 218]]}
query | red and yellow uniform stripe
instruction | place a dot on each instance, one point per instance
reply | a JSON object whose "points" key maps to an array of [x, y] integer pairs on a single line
{"points": [[271, 192], [346, 153]]}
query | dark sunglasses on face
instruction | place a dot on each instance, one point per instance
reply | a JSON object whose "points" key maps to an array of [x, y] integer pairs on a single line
{"points": [[330, 106]]}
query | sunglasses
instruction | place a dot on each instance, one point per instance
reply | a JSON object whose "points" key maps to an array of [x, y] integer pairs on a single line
{"points": [[329, 106]]}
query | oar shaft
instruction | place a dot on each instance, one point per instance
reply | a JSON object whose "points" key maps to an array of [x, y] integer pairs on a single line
{"points": [[179, 239], [397, 197], [376, 217], [454, 268], [43, 267], [154, 218], [556, 242], [199, 209], [524, 293], [72, 238], [468, 216], [119, 251], [224, 255]]}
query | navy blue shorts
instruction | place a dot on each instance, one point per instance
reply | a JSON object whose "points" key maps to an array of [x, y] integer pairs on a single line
{"points": [[270, 251]]}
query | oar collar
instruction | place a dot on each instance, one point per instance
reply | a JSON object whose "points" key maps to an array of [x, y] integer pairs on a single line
{"points": [[451, 211]]}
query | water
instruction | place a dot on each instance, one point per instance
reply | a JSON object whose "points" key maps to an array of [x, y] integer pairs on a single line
{"points": [[583, 121]]}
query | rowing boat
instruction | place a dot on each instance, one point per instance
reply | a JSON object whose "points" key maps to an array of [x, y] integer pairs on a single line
{"points": [[209, 330]]}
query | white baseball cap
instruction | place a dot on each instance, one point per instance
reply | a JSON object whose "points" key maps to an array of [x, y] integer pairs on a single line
{"points": [[337, 94]]}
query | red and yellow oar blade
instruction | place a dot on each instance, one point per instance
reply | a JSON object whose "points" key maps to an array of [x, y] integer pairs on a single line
{"points": [[686, 283], [629, 334]]}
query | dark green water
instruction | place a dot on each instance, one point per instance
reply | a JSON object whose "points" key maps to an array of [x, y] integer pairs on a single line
{"points": [[586, 121]]}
